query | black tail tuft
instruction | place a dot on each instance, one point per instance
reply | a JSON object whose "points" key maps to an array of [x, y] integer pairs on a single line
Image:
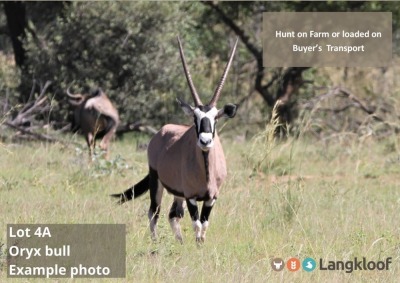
{"points": [[133, 192], [124, 197]]}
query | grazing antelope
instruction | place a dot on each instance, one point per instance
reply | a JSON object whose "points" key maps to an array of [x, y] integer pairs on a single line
{"points": [[96, 117], [188, 161]]}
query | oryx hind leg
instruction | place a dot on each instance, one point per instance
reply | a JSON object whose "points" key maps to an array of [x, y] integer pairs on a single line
{"points": [[175, 215], [156, 192], [104, 146], [90, 140]]}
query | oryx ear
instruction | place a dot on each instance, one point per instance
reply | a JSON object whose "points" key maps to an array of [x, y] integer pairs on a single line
{"points": [[185, 107], [229, 111]]}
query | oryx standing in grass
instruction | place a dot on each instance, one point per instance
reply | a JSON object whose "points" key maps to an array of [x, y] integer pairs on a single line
{"points": [[97, 118], [188, 161]]}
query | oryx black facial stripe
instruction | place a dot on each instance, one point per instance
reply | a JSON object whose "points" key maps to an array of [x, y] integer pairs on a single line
{"points": [[205, 126], [204, 118], [204, 108]]}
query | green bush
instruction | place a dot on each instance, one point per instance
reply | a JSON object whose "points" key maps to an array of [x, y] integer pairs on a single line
{"points": [[128, 49]]}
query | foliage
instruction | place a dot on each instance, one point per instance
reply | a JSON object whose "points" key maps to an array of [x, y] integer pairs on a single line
{"points": [[238, 13], [129, 49], [126, 48], [9, 81], [103, 167]]}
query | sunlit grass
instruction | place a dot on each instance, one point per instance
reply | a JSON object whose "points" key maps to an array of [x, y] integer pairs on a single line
{"points": [[334, 200]]}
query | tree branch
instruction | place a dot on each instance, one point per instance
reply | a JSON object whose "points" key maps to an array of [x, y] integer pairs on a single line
{"points": [[32, 108], [238, 31], [37, 136], [288, 83]]}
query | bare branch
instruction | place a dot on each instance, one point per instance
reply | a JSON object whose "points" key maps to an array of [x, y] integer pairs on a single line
{"points": [[37, 136], [353, 102], [32, 108], [135, 127]]}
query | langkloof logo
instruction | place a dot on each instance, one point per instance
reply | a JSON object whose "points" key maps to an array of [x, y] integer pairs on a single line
{"points": [[350, 265], [309, 264]]}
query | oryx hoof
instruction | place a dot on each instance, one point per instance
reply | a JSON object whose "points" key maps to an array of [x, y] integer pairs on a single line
{"points": [[179, 239], [200, 240]]}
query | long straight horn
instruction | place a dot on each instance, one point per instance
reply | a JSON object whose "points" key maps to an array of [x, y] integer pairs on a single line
{"points": [[218, 90], [195, 96]]}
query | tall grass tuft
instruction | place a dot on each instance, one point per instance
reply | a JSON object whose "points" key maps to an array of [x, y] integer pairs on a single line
{"points": [[264, 143], [274, 157]]}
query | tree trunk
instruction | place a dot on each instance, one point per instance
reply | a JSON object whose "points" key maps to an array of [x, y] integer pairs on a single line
{"points": [[16, 22]]}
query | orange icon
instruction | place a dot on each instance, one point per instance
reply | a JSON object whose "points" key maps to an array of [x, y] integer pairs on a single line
{"points": [[293, 264]]}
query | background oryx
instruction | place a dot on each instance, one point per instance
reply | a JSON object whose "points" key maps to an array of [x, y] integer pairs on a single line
{"points": [[97, 118], [188, 161]]}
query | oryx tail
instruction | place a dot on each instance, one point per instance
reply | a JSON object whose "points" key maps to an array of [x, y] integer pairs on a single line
{"points": [[134, 191]]}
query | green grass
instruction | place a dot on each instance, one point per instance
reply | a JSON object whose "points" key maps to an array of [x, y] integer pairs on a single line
{"points": [[335, 199]]}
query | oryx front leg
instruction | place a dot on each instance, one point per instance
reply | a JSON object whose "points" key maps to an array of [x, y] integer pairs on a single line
{"points": [[205, 213], [90, 140], [156, 192], [175, 215], [194, 214]]}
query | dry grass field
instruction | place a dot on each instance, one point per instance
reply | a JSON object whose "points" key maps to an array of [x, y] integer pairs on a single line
{"points": [[334, 199]]}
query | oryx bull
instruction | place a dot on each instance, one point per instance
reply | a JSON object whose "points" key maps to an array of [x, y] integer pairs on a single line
{"points": [[97, 118], [188, 161]]}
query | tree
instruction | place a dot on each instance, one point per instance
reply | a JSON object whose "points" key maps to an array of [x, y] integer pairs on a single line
{"points": [[244, 18], [128, 49], [285, 82], [21, 17]]}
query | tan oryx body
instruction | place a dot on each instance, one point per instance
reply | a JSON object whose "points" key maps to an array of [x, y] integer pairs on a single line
{"points": [[187, 177], [96, 117], [188, 161]]}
